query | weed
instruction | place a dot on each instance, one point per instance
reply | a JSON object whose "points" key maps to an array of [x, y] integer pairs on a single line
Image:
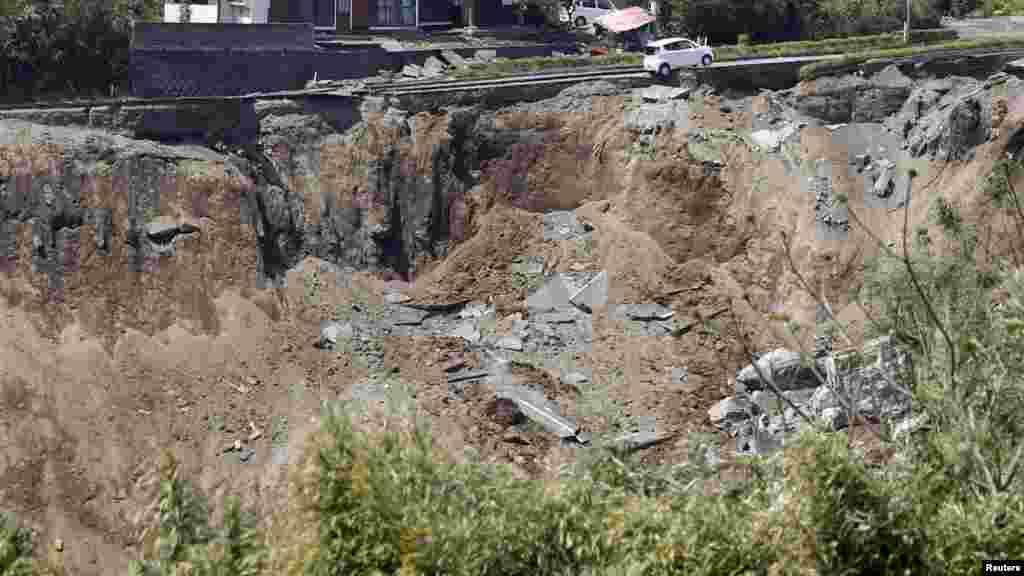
{"points": [[279, 431], [596, 403], [215, 423], [311, 281], [151, 213]]}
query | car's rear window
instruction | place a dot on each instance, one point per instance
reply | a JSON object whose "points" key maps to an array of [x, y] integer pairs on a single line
{"points": [[650, 50]]}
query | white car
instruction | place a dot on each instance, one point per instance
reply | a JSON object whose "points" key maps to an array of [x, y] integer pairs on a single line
{"points": [[587, 11], [663, 56]]}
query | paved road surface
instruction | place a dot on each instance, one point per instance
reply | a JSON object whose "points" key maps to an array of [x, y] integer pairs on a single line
{"points": [[974, 27]]}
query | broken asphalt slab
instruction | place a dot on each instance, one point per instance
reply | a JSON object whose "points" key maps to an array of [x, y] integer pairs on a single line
{"points": [[594, 295]]}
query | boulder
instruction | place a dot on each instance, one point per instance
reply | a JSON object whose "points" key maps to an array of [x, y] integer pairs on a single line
{"points": [[785, 369]]}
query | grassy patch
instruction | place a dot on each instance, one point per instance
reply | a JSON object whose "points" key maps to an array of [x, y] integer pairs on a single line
{"points": [[852, 61], [722, 53]]}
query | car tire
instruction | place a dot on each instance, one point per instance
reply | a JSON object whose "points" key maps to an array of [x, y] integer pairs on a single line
{"points": [[706, 60], [664, 71], [581, 22]]}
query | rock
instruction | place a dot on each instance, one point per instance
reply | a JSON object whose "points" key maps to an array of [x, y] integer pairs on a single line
{"points": [[510, 343], [161, 230], [565, 317], [680, 376], [561, 225], [885, 184], [433, 67], [486, 56], [406, 316], [575, 378], [835, 418], [658, 93], [649, 312], [330, 332], [279, 455], [594, 295], [468, 332], [412, 71], [454, 59], [729, 411], [784, 367], [395, 297], [554, 295], [245, 455]]}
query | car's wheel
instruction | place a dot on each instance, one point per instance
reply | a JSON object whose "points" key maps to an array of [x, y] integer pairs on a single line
{"points": [[706, 60], [664, 71], [581, 22]]}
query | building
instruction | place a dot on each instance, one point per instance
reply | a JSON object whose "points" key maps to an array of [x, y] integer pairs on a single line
{"points": [[383, 15], [221, 11]]}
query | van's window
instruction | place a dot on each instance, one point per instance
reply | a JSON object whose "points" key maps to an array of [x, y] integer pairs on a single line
{"points": [[604, 5], [651, 50]]}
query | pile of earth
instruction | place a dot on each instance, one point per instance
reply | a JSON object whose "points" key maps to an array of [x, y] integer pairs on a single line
{"points": [[601, 264]]}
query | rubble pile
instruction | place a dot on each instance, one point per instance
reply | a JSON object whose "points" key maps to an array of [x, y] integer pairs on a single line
{"points": [[761, 420]]}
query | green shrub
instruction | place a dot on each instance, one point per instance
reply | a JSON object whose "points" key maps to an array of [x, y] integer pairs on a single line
{"points": [[78, 48], [15, 549]]}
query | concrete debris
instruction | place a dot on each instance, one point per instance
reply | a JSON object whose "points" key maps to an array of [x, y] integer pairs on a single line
{"points": [[412, 71], [331, 331], [510, 343], [454, 59], [649, 312], [885, 183], [680, 376], [485, 56], [466, 375], [658, 93], [405, 316], [433, 67], [246, 455], [554, 295], [562, 225], [594, 295], [279, 455], [476, 310], [394, 297], [538, 409], [771, 140], [783, 367], [564, 317], [576, 378], [640, 440], [468, 332], [761, 420]]}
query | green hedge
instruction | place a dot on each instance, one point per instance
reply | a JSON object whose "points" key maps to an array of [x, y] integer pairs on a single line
{"points": [[852, 61]]}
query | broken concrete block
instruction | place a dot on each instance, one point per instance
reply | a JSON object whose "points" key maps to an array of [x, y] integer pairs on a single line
{"points": [[510, 343], [594, 295], [554, 295], [468, 332], [412, 71], [454, 59], [576, 378], [405, 316], [537, 408], [784, 367], [649, 312], [331, 331]]}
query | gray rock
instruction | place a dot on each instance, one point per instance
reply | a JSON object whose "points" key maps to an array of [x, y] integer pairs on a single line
{"points": [[680, 376], [486, 56], [246, 455], [510, 343], [784, 367], [279, 455], [660, 93], [406, 316], [564, 317], [885, 184], [554, 295], [468, 332], [412, 71], [576, 378], [594, 295], [433, 67], [649, 312], [454, 59], [331, 331]]}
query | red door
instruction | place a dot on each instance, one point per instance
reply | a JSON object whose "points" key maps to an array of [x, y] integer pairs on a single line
{"points": [[360, 14]]}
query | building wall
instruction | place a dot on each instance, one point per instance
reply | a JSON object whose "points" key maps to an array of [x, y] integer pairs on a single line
{"points": [[172, 36], [493, 13]]}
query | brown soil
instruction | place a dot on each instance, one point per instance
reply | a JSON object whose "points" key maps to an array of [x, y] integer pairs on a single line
{"points": [[189, 358]]}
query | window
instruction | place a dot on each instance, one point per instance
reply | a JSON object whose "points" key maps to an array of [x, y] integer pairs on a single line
{"points": [[651, 50], [387, 12], [604, 5]]}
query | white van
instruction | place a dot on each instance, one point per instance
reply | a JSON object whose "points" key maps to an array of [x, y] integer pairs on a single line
{"points": [[588, 11]]}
